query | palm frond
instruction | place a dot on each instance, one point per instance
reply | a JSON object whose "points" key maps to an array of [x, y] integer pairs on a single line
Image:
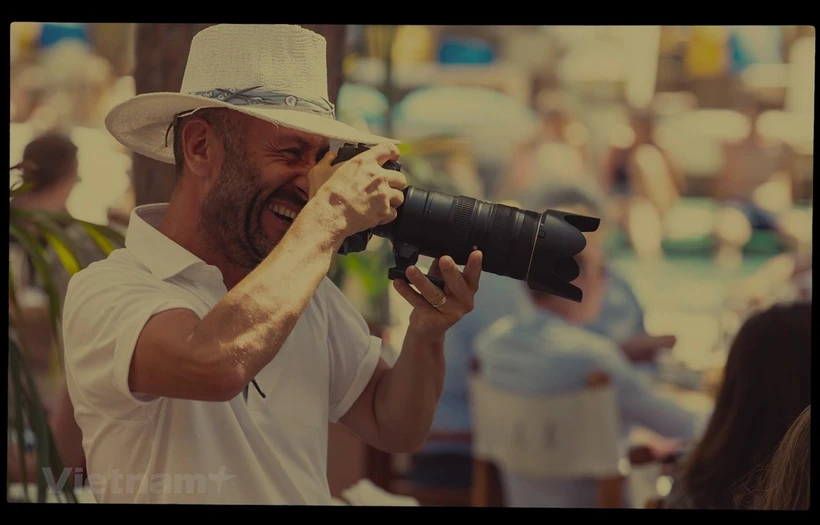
{"points": [[64, 247], [37, 254], [36, 231]]}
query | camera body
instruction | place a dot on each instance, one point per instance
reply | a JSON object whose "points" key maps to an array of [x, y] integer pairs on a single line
{"points": [[535, 247]]}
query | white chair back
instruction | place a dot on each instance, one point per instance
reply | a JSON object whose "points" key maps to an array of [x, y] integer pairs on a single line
{"points": [[568, 436]]}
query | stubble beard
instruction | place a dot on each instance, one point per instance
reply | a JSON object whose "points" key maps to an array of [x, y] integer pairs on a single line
{"points": [[231, 213]]}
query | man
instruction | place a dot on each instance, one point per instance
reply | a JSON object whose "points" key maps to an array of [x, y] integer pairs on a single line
{"points": [[546, 350], [226, 286]]}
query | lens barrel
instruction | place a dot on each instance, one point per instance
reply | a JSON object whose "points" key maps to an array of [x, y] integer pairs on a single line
{"points": [[440, 224], [534, 247]]}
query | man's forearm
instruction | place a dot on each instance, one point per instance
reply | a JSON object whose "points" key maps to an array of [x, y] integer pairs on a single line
{"points": [[250, 324], [407, 395]]}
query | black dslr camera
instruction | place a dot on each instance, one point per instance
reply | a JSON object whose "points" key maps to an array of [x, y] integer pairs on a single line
{"points": [[535, 247]]}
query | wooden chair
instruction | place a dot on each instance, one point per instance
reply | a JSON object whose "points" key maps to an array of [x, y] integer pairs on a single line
{"points": [[569, 436]]}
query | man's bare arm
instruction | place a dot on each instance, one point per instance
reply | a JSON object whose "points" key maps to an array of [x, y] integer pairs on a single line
{"points": [[214, 358]]}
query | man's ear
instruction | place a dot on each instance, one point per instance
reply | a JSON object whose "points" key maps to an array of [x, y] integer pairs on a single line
{"points": [[201, 147]]}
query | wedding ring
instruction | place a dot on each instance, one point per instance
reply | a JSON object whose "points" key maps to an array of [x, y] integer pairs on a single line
{"points": [[440, 303]]}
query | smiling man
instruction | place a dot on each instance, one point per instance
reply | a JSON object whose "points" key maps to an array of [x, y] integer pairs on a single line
{"points": [[226, 287]]}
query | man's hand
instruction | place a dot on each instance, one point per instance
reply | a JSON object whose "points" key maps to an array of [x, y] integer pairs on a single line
{"points": [[396, 410], [357, 194], [434, 310]]}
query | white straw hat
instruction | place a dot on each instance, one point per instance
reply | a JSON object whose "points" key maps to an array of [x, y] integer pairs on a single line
{"points": [[277, 73]]}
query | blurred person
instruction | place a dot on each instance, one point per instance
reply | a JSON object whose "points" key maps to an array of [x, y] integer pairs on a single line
{"points": [[621, 319], [757, 175], [644, 181], [546, 350], [50, 170], [214, 345], [621, 316], [50, 166], [445, 460], [636, 165], [766, 385], [557, 149], [787, 482]]}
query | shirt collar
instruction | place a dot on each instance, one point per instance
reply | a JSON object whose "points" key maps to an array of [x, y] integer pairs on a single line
{"points": [[162, 256]]}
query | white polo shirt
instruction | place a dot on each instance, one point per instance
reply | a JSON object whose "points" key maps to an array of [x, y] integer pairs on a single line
{"points": [[270, 450]]}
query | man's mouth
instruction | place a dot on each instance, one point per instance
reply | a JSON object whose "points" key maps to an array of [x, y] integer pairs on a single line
{"points": [[285, 214]]}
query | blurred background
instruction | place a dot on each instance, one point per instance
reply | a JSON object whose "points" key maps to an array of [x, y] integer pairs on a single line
{"points": [[699, 141]]}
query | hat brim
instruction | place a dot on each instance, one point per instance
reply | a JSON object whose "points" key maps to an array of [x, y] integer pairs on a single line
{"points": [[141, 123]]}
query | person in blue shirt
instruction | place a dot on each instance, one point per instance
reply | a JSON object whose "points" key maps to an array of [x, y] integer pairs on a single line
{"points": [[445, 460], [621, 319], [546, 349]]}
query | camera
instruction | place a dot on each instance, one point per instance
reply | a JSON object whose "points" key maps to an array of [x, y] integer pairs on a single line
{"points": [[534, 247]]}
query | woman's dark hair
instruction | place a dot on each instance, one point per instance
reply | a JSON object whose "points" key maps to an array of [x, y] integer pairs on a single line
{"points": [[786, 485], [47, 160], [766, 385]]}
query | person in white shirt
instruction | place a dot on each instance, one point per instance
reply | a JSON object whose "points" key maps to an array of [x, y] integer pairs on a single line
{"points": [[225, 287]]}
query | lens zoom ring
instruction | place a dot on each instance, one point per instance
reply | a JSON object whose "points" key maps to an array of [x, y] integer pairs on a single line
{"points": [[462, 216], [502, 231]]}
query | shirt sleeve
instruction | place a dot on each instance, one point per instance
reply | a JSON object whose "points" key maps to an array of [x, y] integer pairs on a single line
{"points": [[103, 316], [642, 405], [354, 352]]}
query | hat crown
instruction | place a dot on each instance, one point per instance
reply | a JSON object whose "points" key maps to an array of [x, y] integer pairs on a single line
{"points": [[285, 58]]}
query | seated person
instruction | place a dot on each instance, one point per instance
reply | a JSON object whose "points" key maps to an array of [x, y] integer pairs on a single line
{"points": [[750, 164], [621, 320], [546, 350], [621, 314], [766, 385]]}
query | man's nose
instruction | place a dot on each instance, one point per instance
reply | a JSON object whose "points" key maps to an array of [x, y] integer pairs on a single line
{"points": [[301, 182]]}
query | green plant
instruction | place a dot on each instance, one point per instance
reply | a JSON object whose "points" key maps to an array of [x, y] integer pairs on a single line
{"points": [[38, 232]]}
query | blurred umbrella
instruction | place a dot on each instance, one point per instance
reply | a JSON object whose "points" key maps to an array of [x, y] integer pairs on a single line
{"points": [[359, 104], [53, 33], [492, 122], [461, 50]]}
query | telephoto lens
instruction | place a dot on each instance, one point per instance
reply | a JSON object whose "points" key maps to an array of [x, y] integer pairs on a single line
{"points": [[535, 247]]}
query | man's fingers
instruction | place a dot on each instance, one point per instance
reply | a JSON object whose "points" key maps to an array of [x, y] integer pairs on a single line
{"points": [[454, 279], [395, 179], [434, 270], [327, 159], [396, 198], [427, 289], [472, 270], [389, 217], [382, 153], [321, 172], [410, 295]]}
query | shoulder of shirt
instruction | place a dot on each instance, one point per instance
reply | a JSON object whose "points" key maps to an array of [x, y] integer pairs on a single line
{"points": [[589, 342], [497, 334], [499, 328], [119, 269], [559, 336]]}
